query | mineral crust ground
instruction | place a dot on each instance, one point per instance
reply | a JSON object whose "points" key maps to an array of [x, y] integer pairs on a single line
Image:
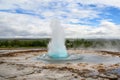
{"points": [[21, 65]]}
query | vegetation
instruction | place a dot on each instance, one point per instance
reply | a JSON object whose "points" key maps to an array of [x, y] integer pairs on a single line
{"points": [[70, 43], [17, 43]]}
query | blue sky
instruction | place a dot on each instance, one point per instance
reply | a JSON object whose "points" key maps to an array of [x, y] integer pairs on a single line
{"points": [[80, 18]]}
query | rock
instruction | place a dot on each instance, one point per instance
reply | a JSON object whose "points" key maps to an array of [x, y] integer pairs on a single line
{"points": [[101, 70]]}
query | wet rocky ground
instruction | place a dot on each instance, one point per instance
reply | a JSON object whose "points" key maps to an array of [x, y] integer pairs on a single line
{"points": [[21, 65]]}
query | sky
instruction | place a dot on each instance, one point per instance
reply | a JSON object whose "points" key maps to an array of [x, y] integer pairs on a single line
{"points": [[79, 18]]}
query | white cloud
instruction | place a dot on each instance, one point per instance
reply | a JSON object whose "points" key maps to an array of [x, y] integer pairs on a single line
{"points": [[25, 25], [105, 29], [22, 26], [114, 3], [39, 6], [82, 13]]}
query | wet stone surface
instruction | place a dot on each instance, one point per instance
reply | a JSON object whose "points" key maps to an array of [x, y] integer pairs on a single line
{"points": [[20, 66]]}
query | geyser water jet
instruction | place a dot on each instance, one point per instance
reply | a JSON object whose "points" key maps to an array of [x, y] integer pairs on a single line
{"points": [[56, 47]]}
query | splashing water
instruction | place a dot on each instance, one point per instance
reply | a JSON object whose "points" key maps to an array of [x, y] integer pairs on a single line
{"points": [[56, 48]]}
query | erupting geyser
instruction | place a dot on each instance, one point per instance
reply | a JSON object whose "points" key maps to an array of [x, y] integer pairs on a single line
{"points": [[56, 48]]}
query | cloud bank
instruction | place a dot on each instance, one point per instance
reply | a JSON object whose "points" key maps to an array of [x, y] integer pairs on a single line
{"points": [[80, 19]]}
